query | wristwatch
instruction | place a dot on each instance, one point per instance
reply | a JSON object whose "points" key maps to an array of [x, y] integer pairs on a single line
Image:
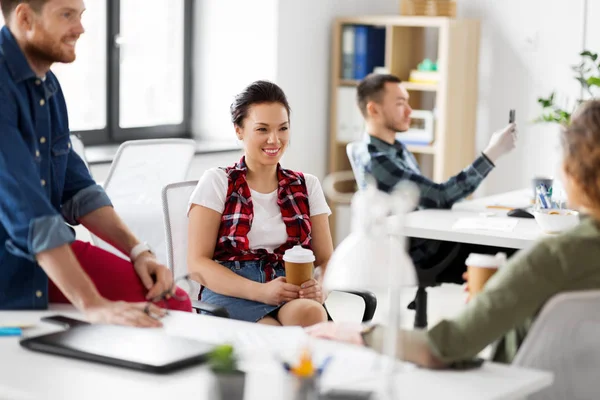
{"points": [[139, 249]]}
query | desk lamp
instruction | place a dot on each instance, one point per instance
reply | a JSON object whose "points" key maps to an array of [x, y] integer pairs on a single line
{"points": [[374, 256]]}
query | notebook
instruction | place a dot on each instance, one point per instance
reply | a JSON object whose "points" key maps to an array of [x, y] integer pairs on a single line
{"points": [[143, 349]]}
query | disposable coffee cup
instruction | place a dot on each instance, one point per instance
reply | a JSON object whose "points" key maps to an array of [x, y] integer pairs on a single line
{"points": [[480, 268], [299, 265]]}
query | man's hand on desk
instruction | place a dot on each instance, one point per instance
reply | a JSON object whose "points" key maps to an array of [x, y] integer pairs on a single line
{"points": [[122, 313]]}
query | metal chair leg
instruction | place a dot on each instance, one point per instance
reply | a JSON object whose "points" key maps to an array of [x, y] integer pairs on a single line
{"points": [[421, 308]]}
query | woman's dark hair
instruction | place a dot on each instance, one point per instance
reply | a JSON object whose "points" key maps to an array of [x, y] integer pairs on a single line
{"points": [[581, 146], [256, 93]]}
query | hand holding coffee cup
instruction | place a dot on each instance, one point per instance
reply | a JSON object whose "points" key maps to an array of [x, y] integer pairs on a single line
{"points": [[299, 265], [480, 268]]}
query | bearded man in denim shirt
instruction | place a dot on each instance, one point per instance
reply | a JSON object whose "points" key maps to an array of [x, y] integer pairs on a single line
{"points": [[44, 183]]}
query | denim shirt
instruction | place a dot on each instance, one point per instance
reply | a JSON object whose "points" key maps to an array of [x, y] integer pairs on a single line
{"points": [[43, 182]]}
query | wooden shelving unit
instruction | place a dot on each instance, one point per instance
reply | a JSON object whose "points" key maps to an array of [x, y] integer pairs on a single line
{"points": [[454, 97]]}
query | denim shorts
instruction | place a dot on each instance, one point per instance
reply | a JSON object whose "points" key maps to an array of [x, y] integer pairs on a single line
{"points": [[242, 309]]}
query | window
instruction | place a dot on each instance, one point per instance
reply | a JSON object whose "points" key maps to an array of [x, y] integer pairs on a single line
{"points": [[132, 76]]}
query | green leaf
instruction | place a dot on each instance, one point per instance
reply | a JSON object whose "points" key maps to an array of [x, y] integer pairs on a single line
{"points": [[587, 53], [593, 81], [545, 103], [222, 359]]}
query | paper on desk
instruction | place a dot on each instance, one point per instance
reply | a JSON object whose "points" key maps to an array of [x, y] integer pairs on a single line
{"points": [[485, 224]]}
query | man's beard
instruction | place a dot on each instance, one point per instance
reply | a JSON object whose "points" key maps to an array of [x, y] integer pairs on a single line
{"points": [[47, 51], [395, 128]]}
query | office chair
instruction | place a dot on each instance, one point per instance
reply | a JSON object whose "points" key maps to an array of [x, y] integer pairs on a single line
{"points": [[564, 340], [139, 171], [359, 158], [79, 148], [175, 198]]}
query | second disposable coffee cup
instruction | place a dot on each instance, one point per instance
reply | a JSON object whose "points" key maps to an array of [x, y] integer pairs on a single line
{"points": [[480, 268], [299, 265]]}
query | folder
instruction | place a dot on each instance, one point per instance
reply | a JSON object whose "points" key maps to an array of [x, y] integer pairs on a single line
{"points": [[369, 49], [350, 122], [348, 52]]}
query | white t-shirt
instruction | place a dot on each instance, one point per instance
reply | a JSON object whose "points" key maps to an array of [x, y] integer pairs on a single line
{"points": [[268, 229]]}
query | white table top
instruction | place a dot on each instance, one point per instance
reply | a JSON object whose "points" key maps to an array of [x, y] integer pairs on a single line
{"points": [[438, 224], [29, 375]]}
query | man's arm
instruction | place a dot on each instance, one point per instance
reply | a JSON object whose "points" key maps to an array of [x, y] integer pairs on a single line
{"points": [[108, 226], [37, 231], [64, 270], [388, 173], [35, 228]]}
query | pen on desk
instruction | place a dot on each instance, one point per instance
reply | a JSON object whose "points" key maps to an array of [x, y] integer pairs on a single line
{"points": [[500, 208], [324, 365], [543, 196], [10, 331]]}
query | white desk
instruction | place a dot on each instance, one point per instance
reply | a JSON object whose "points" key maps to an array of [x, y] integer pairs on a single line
{"points": [[28, 375], [437, 224]]}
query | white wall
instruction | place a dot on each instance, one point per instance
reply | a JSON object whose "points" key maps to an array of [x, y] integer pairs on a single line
{"points": [[523, 56], [286, 41], [235, 44], [304, 71]]}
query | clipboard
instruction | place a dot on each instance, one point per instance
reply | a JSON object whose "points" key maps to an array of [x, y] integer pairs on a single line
{"points": [[142, 349]]}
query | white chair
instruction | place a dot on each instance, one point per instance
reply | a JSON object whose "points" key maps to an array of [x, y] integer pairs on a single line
{"points": [[139, 171], [565, 340], [79, 148], [358, 156], [175, 199]]}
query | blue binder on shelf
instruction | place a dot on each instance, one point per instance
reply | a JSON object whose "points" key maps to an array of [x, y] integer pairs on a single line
{"points": [[369, 49], [348, 52]]}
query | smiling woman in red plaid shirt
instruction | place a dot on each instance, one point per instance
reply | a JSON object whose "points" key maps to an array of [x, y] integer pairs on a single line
{"points": [[244, 217]]}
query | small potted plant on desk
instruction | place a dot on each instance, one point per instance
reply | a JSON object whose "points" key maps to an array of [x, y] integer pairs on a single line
{"points": [[230, 380]]}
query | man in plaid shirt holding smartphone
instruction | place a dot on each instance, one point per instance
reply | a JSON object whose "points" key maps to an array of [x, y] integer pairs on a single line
{"points": [[384, 105]]}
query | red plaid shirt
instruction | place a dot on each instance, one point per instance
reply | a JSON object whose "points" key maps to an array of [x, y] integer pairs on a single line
{"points": [[238, 214]]}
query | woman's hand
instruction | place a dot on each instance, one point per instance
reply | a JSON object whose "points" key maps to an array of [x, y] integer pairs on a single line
{"points": [[278, 291], [312, 290], [348, 332]]}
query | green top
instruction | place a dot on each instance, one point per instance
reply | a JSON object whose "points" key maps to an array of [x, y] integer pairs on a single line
{"points": [[505, 309]]}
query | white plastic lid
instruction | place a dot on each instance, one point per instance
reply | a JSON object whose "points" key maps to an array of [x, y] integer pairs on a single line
{"points": [[486, 260], [298, 254]]}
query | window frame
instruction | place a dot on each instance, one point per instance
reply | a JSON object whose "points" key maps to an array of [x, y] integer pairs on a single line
{"points": [[112, 132]]}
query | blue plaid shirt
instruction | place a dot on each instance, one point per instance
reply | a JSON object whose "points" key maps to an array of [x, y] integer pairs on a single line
{"points": [[390, 164]]}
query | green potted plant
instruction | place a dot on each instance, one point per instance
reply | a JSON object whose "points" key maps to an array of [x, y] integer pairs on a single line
{"points": [[230, 380], [587, 73]]}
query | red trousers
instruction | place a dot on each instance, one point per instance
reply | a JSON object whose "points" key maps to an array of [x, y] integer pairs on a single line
{"points": [[114, 278]]}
